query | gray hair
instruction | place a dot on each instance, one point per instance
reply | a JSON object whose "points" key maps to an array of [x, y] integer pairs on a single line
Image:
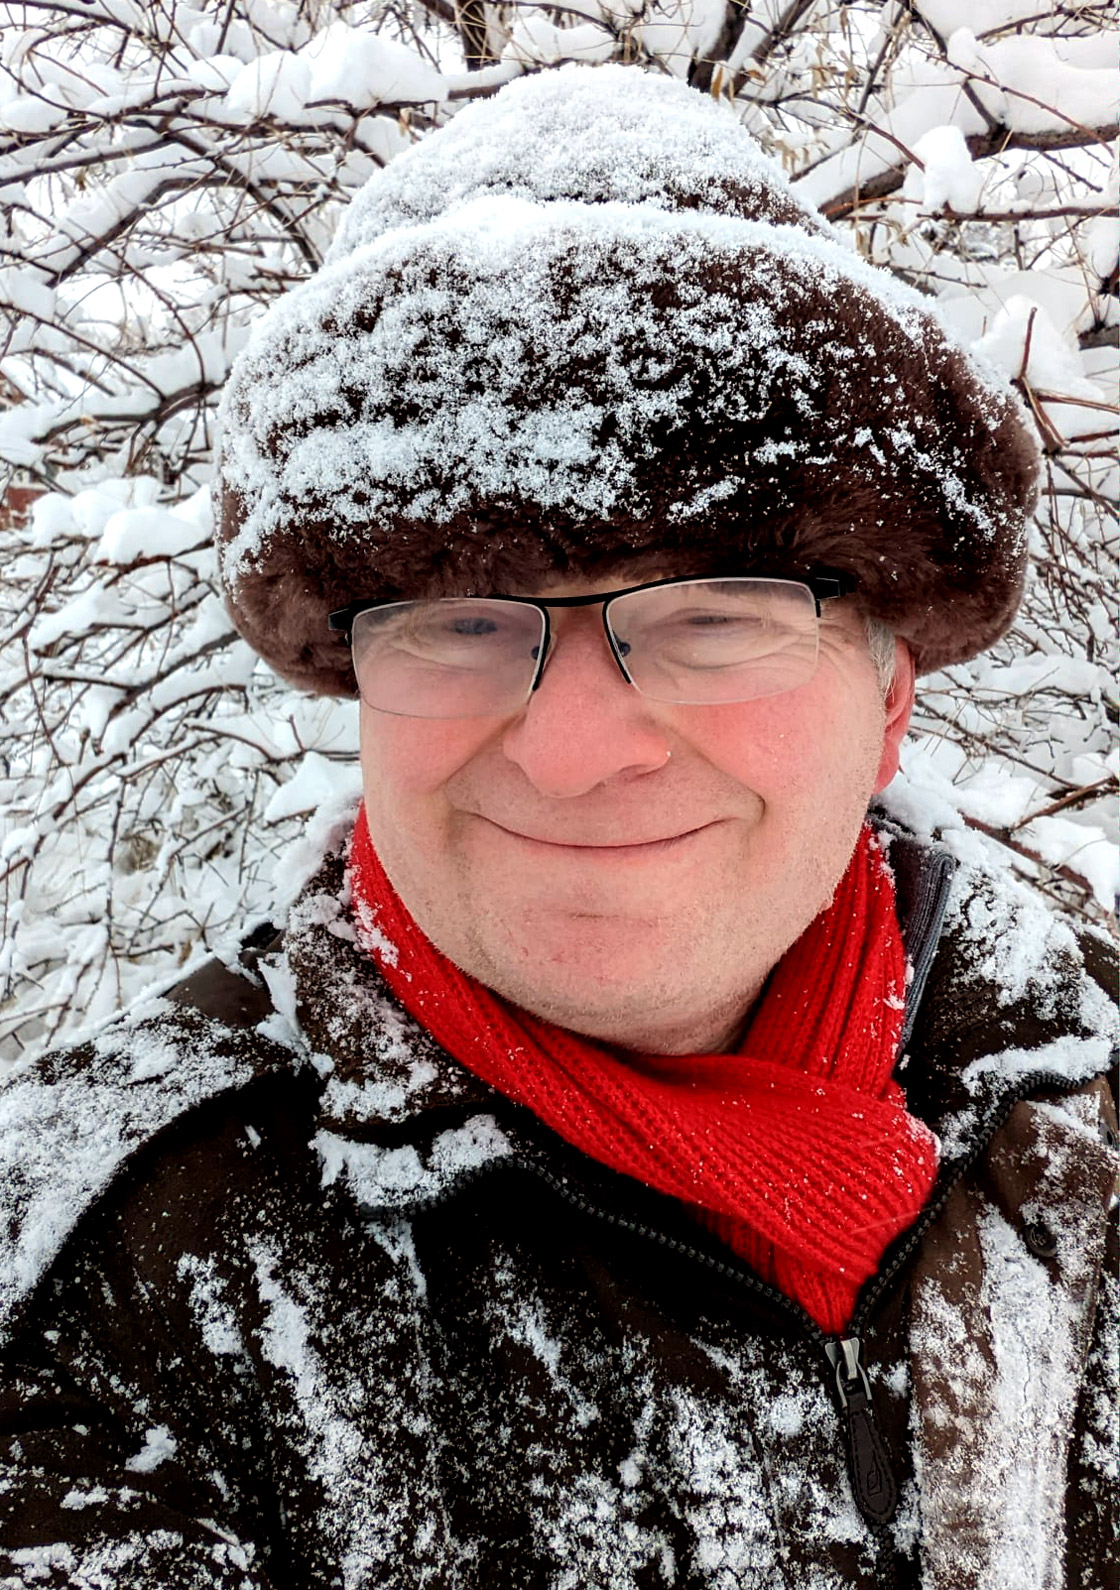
{"points": [[880, 643]]}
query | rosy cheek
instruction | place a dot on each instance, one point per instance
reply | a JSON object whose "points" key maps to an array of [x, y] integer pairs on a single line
{"points": [[747, 738], [417, 756]]}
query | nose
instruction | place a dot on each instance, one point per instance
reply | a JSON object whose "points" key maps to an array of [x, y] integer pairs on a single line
{"points": [[584, 724]]}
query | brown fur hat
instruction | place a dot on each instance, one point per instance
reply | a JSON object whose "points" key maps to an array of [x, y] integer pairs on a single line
{"points": [[587, 327]]}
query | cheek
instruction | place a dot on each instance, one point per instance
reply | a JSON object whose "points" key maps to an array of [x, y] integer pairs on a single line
{"points": [[787, 750], [412, 757], [760, 744]]}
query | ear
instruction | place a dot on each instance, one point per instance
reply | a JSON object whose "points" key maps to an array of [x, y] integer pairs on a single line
{"points": [[899, 705]]}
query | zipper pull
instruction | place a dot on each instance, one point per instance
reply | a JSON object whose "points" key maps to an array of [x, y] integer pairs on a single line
{"points": [[873, 1483]]}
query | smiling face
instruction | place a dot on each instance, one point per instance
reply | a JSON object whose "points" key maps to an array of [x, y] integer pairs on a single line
{"points": [[631, 869]]}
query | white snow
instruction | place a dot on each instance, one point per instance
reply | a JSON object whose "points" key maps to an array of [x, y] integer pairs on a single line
{"points": [[316, 782], [277, 84], [330, 1421], [99, 605], [61, 1145], [132, 533], [1089, 850], [983, 16], [217, 1319], [363, 69], [1026, 82], [993, 1489], [1071, 1059], [554, 137], [96, 1563], [1024, 340], [380, 1098], [159, 1445], [943, 173], [391, 1178], [535, 41], [350, 65], [1017, 943], [27, 115]]}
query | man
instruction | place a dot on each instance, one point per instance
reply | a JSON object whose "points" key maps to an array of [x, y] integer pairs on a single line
{"points": [[630, 1166]]}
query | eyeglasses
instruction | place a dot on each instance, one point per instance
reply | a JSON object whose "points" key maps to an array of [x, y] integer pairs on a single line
{"points": [[687, 641]]}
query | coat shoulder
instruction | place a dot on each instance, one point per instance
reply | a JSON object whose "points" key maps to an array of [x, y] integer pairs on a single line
{"points": [[72, 1121]]}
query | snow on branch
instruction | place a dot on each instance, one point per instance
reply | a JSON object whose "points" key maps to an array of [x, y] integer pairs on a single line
{"points": [[167, 167]]}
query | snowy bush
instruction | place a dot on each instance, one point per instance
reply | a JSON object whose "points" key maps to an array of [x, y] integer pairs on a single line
{"points": [[167, 168]]}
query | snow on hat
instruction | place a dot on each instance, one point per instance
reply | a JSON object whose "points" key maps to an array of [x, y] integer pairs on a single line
{"points": [[587, 326]]}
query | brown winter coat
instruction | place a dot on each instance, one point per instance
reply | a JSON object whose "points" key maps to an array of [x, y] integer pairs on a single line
{"points": [[331, 1313]]}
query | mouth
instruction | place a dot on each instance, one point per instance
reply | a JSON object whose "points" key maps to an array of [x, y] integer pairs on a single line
{"points": [[620, 848]]}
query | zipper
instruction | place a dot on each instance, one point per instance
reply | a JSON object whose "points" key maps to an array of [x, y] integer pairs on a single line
{"points": [[863, 1436], [873, 1483], [925, 917]]}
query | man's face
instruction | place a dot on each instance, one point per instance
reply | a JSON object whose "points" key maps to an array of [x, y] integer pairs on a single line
{"points": [[631, 869]]}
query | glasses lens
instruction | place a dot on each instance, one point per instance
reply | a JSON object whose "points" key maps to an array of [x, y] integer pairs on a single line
{"points": [[459, 657], [705, 641]]}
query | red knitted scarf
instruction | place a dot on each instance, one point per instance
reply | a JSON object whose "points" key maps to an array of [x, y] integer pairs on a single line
{"points": [[798, 1151]]}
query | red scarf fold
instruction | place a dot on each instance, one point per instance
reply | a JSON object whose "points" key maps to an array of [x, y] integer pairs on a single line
{"points": [[798, 1152]]}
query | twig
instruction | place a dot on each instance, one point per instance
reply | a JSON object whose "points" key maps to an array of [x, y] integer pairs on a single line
{"points": [[1075, 797]]}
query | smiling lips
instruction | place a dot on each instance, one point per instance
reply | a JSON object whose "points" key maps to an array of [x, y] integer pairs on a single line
{"points": [[597, 847]]}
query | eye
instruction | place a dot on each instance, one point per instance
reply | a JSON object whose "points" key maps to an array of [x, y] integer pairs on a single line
{"points": [[474, 626], [713, 626], [715, 620]]}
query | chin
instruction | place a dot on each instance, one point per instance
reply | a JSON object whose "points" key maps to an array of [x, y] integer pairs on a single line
{"points": [[606, 1015], [602, 979]]}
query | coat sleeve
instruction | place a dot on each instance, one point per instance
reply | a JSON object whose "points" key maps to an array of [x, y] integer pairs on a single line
{"points": [[113, 1469]]}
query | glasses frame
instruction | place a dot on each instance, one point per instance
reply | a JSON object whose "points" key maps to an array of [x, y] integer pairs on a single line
{"points": [[824, 586]]}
